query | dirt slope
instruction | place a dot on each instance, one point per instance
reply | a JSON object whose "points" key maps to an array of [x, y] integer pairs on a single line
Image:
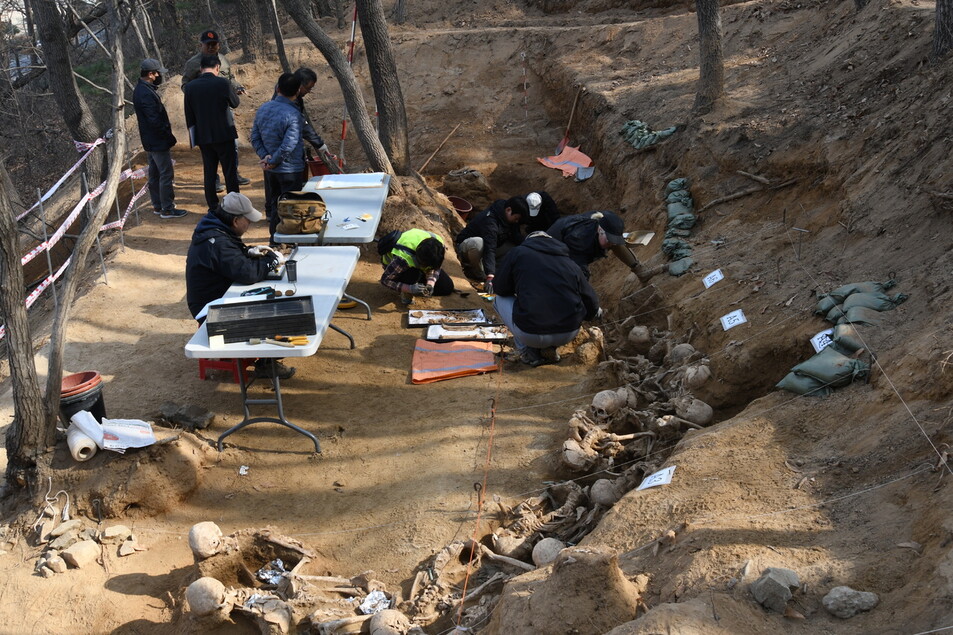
{"points": [[843, 102]]}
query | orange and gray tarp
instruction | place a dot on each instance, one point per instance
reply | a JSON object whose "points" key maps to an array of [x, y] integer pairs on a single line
{"points": [[436, 361], [568, 161]]}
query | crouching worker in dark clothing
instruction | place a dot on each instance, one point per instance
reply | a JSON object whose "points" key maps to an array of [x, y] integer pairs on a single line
{"points": [[413, 266], [487, 238], [592, 236], [218, 258], [543, 297]]}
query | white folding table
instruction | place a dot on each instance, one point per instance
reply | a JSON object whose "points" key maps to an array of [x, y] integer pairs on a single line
{"points": [[323, 274], [354, 204]]}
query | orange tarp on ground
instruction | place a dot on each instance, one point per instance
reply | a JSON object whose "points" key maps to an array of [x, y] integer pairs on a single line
{"points": [[436, 361], [567, 161]]}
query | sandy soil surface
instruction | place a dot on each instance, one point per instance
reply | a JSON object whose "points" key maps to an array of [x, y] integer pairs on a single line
{"points": [[844, 490]]}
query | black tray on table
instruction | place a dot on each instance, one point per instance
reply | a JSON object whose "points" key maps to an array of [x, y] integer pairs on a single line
{"points": [[241, 321]]}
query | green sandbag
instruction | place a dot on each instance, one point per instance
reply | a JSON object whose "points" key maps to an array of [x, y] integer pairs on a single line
{"points": [[835, 315], [876, 301], [680, 196], [673, 232], [680, 266], [861, 315], [840, 293], [682, 221], [676, 249], [824, 305], [833, 368], [676, 209], [676, 184], [845, 336], [804, 385]]}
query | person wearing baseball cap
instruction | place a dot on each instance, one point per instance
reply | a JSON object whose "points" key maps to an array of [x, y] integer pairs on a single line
{"points": [[211, 45], [218, 258], [543, 212], [592, 235], [488, 237], [155, 132]]}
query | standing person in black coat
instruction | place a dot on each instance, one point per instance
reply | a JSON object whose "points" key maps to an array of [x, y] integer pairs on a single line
{"points": [[543, 297], [155, 131], [208, 100], [487, 238], [592, 235]]}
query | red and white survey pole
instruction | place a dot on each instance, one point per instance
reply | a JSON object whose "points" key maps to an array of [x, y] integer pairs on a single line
{"points": [[350, 62]]}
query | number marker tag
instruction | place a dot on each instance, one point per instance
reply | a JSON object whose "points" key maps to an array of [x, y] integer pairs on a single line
{"points": [[712, 278], [662, 477], [733, 319], [822, 340]]}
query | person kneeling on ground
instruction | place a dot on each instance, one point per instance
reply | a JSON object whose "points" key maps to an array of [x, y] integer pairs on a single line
{"points": [[413, 266], [218, 258], [592, 235], [543, 297], [488, 238]]}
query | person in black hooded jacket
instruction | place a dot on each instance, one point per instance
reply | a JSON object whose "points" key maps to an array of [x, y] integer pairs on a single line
{"points": [[592, 236], [543, 297], [218, 258], [488, 237]]}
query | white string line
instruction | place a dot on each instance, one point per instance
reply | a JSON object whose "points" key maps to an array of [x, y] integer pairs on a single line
{"points": [[893, 387], [935, 630]]}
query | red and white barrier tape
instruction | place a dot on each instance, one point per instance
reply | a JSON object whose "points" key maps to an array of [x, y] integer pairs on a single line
{"points": [[88, 148]]}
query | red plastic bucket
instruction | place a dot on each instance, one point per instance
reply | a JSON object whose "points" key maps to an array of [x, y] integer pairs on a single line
{"points": [[463, 207], [317, 167], [79, 382]]}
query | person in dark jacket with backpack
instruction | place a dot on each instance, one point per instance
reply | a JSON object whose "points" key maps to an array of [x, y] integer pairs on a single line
{"points": [[412, 262], [488, 237], [591, 236], [543, 298], [155, 131]]}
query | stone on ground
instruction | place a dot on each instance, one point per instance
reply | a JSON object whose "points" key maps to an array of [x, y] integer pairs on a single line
{"points": [[773, 589], [845, 602]]}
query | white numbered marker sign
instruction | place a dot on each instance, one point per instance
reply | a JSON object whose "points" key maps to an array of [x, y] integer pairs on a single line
{"points": [[662, 477], [713, 277], [822, 340], [733, 319]]}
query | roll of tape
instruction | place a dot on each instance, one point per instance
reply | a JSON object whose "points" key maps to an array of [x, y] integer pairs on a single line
{"points": [[81, 446]]}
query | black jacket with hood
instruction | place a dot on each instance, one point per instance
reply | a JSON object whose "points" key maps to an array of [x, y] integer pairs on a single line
{"points": [[491, 226], [552, 294], [217, 259], [580, 233]]}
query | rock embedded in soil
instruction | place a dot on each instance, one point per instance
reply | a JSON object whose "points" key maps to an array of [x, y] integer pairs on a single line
{"points": [[64, 541], [57, 564], [70, 525], [81, 554], [845, 602], [773, 589], [115, 534]]}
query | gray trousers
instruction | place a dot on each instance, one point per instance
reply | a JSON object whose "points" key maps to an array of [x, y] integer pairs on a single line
{"points": [[522, 340], [161, 176], [470, 253]]}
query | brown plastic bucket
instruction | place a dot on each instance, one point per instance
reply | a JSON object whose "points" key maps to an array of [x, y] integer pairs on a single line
{"points": [[463, 207]]}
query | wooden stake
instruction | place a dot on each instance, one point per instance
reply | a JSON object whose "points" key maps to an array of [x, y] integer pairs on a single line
{"points": [[427, 162]]}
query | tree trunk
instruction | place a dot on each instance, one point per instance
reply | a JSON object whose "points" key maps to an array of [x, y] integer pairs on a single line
{"points": [[31, 430], [56, 51], [400, 12], [102, 206], [249, 24], [942, 30], [711, 79], [353, 98], [390, 99], [279, 40]]}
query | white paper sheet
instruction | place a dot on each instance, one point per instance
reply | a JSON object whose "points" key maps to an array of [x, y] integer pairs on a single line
{"points": [[662, 477], [346, 181]]}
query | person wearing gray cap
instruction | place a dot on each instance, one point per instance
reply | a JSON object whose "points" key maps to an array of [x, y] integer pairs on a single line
{"points": [[592, 235], [155, 131]]}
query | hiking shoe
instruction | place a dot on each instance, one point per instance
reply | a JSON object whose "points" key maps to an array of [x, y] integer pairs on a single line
{"points": [[172, 213], [644, 274], [549, 355], [218, 186], [156, 211], [263, 370], [242, 180]]}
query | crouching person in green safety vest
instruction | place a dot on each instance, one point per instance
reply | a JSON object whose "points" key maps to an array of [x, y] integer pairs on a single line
{"points": [[412, 264]]}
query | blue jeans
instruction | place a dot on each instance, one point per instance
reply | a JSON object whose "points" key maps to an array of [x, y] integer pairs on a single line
{"points": [[528, 343], [161, 176]]}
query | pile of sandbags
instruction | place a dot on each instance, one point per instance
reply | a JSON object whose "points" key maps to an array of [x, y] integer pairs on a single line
{"points": [[681, 218], [638, 134]]}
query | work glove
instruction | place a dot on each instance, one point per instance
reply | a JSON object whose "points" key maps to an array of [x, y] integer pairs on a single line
{"points": [[417, 289], [259, 250], [601, 313], [273, 259], [488, 286], [428, 290], [324, 148]]}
